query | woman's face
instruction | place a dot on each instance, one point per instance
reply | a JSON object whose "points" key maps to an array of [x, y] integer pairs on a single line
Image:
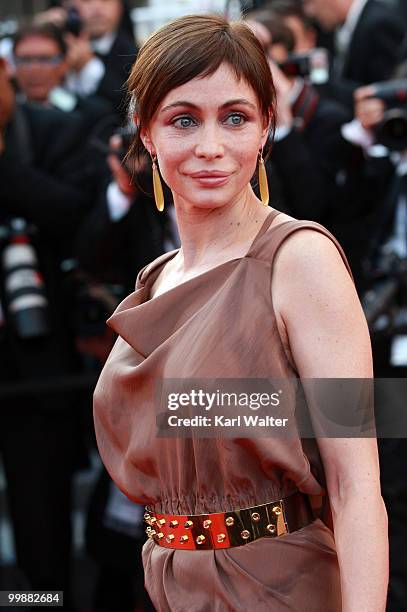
{"points": [[207, 134]]}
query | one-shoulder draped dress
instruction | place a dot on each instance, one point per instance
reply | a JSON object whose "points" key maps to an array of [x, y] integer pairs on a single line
{"points": [[219, 324]]}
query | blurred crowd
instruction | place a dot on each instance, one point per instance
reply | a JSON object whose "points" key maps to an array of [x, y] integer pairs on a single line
{"points": [[78, 221]]}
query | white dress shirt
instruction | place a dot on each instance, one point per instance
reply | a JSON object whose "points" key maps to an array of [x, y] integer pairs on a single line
{"points": [[119, 204], [86, 81], [343, 35]]}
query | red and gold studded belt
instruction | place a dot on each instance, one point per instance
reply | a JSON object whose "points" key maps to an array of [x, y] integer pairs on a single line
{"points": [[227, 529]]}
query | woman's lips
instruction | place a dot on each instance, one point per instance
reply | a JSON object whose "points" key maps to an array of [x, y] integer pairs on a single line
{"points": [[210, 179]]}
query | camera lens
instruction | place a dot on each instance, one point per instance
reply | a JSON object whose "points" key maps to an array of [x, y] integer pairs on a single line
{"points": [[392, 132]]}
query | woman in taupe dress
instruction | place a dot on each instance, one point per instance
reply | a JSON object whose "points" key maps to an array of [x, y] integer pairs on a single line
{"points": [[247, 296]]}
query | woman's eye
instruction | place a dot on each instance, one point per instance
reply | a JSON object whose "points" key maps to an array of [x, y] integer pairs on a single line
{"points": [[183, 122], [235, 119], [187, 122]]}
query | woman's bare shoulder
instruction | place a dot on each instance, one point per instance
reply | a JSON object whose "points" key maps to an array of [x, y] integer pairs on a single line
{"points": [[310, 248], [306, 243], [310, 276], [318, 313], [281, 218]]}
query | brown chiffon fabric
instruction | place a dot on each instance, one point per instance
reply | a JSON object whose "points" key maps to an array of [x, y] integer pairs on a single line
{"points": [[220, 324]]}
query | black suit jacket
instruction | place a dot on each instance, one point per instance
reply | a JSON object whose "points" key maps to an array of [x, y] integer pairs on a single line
{"points": [[373, 52], [114, 251], [321, 176], [44, 179], [402, 10], [313, 156], [98, 116], [118, 63], [44, 174]]}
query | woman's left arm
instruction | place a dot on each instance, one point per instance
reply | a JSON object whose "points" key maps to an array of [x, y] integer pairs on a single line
{"points": [[328, 337]]}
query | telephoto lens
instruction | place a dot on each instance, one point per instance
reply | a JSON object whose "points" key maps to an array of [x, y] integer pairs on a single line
{"points": [[391, 132], [24, 288]]}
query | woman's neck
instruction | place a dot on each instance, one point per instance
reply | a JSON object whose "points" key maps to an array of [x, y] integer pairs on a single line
{"points": [[208, 235]]}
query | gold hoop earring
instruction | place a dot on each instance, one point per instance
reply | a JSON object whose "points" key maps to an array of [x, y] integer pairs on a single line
{"points": [[157, 186], [263, 183]]}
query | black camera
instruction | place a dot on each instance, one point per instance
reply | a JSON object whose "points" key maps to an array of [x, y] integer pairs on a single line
{"points": [[73, 23], [384, 303], [127, 134], [90, 302], [25, 294], [391, 132], [313, 66]]}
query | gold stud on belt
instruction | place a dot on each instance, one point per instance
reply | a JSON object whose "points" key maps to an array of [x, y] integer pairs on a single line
{"points": [[228, 529]]}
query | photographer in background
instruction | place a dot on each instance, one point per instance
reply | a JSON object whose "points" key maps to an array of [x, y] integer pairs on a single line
{"points": [[100, 48], [381, 119], [45, 190], [368, 38], [304, 197], [124, 230], [380, 127], [39, 57], [309, 145], [291, 13], [41, 67], [121, 234]]}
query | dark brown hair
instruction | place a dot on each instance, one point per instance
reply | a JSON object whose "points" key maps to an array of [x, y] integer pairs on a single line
{"points": [[43, 31], [291, 8], [192, 46], [280, 33]]}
